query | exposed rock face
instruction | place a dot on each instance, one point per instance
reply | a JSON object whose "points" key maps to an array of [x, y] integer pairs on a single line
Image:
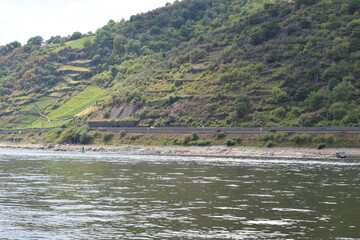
{"points": [[340, 154]]}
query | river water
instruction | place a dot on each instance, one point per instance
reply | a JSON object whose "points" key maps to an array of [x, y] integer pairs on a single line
{"points": [[52, 195]]}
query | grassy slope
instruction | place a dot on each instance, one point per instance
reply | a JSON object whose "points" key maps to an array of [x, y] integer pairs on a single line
{"points": [[77, 103]]}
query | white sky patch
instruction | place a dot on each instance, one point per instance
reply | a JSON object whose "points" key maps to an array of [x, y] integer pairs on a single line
{"points": [[23, 19]]}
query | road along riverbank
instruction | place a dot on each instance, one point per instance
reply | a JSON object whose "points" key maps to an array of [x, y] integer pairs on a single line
{"points": [[329, 153]]}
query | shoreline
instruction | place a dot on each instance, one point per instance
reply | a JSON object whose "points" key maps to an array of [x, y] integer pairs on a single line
{"points": [[209, 151]]}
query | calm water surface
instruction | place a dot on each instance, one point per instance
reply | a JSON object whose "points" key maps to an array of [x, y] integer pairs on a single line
{"points": [[51, 195]]}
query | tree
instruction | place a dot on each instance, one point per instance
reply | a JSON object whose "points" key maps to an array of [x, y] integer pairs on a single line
{"points": [[341, 93], [265, 32], [301, 94], [242, 105], [37, 40], [315, 100], [298, 3], [119, 45], [54, 39], [8, 48], [75, 36], [353, 6]]}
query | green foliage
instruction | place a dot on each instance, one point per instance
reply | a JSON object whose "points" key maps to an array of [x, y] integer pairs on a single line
{"points": [[107, 137], [263, 33], [72, 135], [269, 144], [203, 142], [230, 142], [35, 40], [320, 146], [242, 105], [122, 133], [300, 68], [219, 135], [52, 136], [298, 3], [353, 6], [275, 137], [327, 138], [194, 136], [135, 137], [279, 96], [191, 139], [341, 93], [315, 100], [301, 138]]}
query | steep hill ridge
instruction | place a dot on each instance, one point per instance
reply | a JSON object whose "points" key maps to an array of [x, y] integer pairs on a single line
{"points": [[195, 63]]}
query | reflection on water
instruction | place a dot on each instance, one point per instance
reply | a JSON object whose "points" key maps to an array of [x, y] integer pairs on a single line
{"points": [[47, 195]]}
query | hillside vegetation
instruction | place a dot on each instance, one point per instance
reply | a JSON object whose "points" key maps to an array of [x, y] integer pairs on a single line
{"points": [[194, 63]]}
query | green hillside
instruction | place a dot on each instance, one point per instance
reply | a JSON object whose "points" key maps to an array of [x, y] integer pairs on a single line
{"points": [[194, 63]]}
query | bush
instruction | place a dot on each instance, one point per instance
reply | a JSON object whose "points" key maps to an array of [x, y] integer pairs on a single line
{"points": [[230, 142], [107, 136], [52, 136], [219, 135], [186, 139], [72, 135], [301, 138], [84, 136], [327, 138], [122, 133], [273, 136], [269, 144], [267, 31], [67, 136], [194, 136], [321, 146], [135, 137], [353, 6], [201, 142]]}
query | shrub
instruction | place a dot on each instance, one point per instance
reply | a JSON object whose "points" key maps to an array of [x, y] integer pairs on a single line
{"points": [[122, 133], [269, 144], [219, 135], [327, 138], [301, 138], [353, 6], [321, 146], [175, 141], [107, 136], [52, 136], [186, 139], [135, 137], [67, 136], [84, 137], [230, 142], [273, 136], [194, 136], [72, 135], [267, 31], [201, 142]]}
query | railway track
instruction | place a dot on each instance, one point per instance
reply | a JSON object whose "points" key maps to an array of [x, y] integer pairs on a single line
{"points": [[236, 130]]}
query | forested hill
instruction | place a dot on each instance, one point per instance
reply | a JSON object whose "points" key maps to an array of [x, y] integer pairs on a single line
{"points": [[193, 63]]}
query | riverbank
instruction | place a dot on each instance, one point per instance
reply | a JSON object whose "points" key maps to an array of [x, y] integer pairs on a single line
{"points": [[222, 151]]}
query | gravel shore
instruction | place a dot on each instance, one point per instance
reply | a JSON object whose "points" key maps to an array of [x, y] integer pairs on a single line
{"points": [[203, 151]]}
